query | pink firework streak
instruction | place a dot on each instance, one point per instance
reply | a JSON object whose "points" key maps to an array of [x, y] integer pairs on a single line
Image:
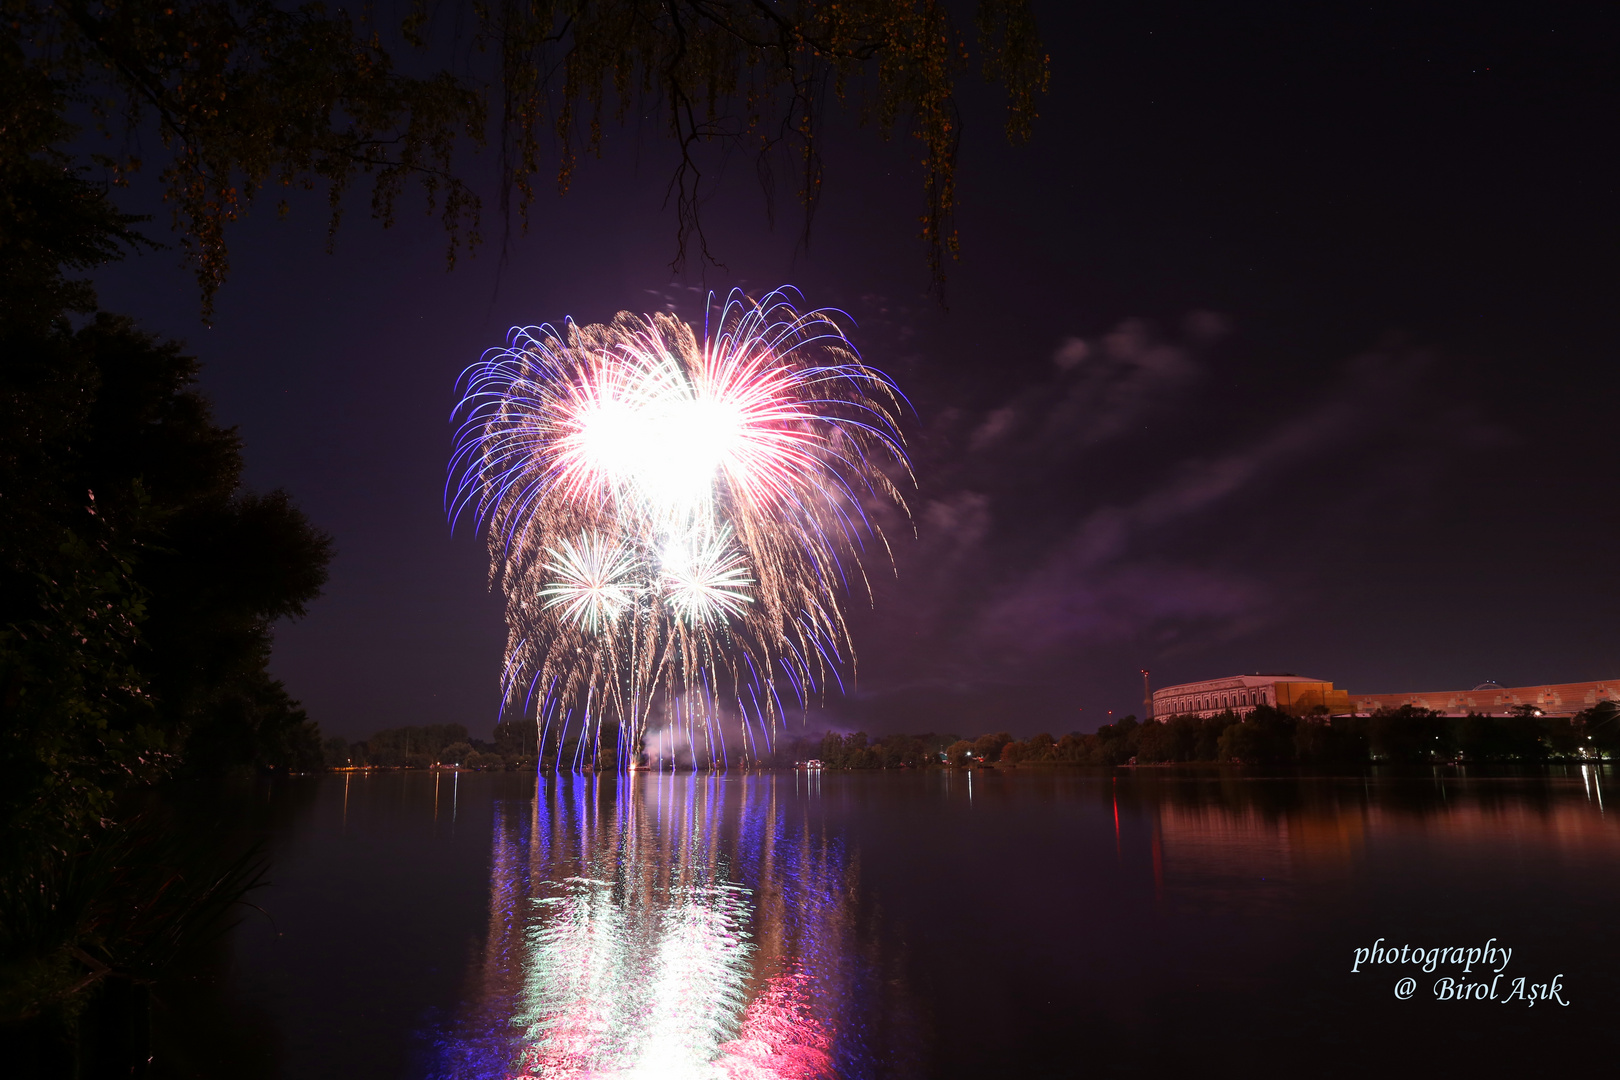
{"points": [[780, 1039]]}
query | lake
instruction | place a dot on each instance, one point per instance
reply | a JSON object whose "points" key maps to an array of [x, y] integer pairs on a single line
{"points": [[1032, 922]]}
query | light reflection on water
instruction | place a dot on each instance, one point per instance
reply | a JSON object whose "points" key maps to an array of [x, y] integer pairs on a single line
{"points": [[666, 926], [876, 925]]}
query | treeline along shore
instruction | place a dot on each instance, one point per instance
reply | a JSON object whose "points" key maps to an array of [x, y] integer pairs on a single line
{"points": [[433, 745], [1266, 736]]}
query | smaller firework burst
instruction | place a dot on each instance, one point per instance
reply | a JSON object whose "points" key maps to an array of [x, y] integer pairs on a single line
{"points": [[708, 583], [592, 585]]}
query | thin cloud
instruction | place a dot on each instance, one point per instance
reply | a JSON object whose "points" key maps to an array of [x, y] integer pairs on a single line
{"points": [[1098, 390], [1045, 571]]}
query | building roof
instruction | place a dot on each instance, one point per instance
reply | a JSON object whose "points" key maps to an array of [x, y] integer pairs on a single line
{"points": [[1224, 681]]}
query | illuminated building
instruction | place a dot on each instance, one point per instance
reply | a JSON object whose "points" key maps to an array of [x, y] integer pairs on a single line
{"points": [[1301, 696], [1489, 699], [1240, 694]]}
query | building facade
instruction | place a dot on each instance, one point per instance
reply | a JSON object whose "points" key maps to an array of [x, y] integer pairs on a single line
{"points": [[1301, 696], [1240, 694], [1489, 699]]}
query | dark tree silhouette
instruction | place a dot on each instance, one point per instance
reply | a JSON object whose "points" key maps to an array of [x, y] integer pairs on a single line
{"points": [[138, 580]]}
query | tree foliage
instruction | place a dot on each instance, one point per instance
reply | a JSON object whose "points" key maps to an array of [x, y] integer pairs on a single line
{"points": [[419, 746], [250, 94], [138, 580], [138, 585]]}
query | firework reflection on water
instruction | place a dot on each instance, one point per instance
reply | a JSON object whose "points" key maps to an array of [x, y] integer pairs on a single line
{"points": [[667, 926]]}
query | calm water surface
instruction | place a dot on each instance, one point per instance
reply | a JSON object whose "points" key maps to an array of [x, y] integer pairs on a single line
{"points": [[1028, 923]]}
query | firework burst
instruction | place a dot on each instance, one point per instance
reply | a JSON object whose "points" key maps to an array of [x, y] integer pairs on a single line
{"points": [[674, 521]]}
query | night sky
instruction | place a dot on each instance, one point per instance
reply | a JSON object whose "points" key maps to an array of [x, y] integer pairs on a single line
{"points": [[1289, 344]]}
